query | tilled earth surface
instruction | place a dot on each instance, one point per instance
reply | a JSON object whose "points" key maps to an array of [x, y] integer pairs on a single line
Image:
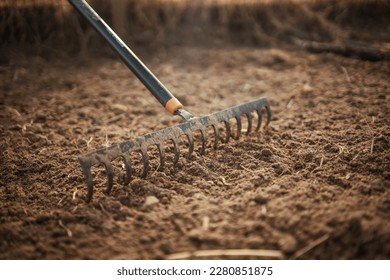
{"points": [[314, 184]]}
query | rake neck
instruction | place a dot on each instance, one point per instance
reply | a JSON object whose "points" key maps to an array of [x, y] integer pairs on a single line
{"points": [[160, 92]]}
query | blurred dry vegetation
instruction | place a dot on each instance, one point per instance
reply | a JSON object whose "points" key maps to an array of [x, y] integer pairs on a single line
{"points": [[45, 26]]}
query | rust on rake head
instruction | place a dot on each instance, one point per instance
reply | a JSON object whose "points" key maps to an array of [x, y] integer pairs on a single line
{"points": [[141, 144]]}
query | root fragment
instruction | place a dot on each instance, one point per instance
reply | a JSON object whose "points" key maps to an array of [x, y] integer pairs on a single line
{"points": [[68, 231]]}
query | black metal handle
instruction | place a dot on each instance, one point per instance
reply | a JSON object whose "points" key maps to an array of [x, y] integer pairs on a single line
{"points": [[160, 92]]}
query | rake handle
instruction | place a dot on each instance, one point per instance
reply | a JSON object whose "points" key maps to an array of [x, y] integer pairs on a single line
{"points": [[160, 92]]}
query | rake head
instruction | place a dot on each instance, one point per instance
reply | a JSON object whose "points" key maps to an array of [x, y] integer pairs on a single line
{"points": [[141, 144]]}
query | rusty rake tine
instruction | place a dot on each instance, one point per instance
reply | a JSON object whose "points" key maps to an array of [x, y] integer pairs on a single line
{"points": [[269, 114], [129, 170], [228, 131], [217, 135], [190, 143], [260, 119], [239, 127], [145, 161], [204, 141], [88, 178], [110, 175], [162, 157], [176, 150], [249, 117]]}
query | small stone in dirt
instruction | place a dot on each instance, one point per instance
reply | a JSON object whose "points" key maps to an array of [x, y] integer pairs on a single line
{"points": [[306, 88], [164, 200], [266, 152], [151, 200], [288, 243]]}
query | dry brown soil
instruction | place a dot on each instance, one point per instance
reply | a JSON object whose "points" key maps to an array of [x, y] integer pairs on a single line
{"points": [[313, 185]]}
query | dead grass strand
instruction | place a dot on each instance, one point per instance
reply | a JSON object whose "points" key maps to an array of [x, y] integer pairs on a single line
{"points": [[263, 254]]}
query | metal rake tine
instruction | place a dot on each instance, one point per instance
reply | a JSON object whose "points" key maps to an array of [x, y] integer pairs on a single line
{"points": [[249, 117], [204, 141], [239, 127], [228, 131], [86, 169], [145, 161], [190, 143], [129, 170], [260, 119], [217, 135], [176, 150], [269, 114], [110, 175], [162, 157]]}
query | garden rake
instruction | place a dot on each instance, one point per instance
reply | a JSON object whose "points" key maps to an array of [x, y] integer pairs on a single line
{"points": [[191, 124]]}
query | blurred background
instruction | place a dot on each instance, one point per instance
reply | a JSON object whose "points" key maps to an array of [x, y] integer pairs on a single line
{"points": [[48, 27]]}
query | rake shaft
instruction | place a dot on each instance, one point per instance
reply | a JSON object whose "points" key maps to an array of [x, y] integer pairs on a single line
{"points": [[159, 91]]}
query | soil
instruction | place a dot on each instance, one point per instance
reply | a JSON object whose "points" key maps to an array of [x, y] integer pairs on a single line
{"points": [[314, 184]]}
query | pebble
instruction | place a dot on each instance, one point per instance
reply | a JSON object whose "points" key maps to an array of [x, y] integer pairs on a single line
{"points": [[151, 200], [288, 243]]}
